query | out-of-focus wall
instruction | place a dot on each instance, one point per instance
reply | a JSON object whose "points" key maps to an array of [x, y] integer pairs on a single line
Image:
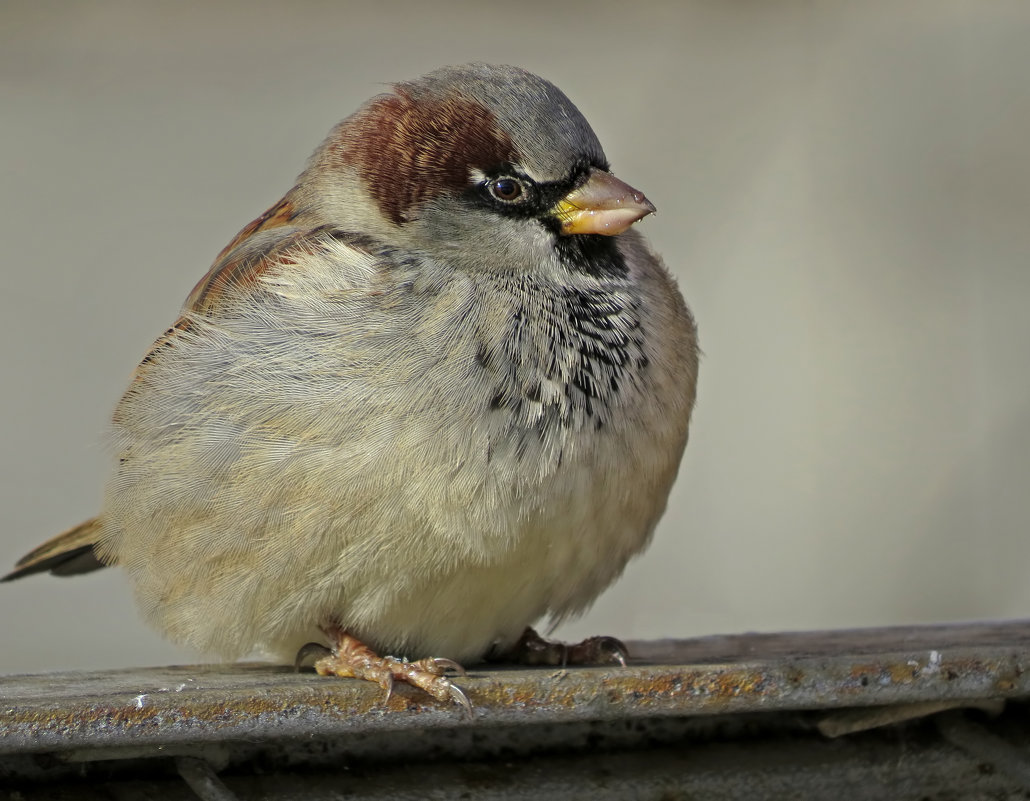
{"points": [[844, 194]]}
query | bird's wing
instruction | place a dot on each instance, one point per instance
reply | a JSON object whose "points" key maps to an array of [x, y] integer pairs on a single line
{"points": [[267, 244], [67, 554]]}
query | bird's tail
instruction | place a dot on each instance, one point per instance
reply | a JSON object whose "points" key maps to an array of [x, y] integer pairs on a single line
{"points": [[66, 554]]}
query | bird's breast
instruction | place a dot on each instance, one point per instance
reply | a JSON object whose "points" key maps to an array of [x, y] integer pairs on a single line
{"points": [[564, 361]]}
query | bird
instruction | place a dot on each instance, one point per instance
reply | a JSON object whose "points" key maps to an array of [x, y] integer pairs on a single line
{"points": [[437, 393]]}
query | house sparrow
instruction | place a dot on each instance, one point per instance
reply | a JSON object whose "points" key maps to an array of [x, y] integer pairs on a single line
{"points": [[437, 392]]}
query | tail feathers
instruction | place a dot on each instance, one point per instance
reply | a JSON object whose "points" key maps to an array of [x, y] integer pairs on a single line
{"points": [[66, 554]]}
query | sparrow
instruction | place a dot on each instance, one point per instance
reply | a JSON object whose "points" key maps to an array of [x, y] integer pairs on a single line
{"points": [[437, 392]]}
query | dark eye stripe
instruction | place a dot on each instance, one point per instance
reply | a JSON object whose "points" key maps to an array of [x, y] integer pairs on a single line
{"points": [[531, 199]]}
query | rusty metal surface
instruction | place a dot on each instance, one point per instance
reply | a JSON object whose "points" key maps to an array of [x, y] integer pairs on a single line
{"points": [[845, 714], [908, 765], [90, 713]]}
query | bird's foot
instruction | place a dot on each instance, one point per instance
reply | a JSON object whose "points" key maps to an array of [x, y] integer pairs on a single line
{"points": [[532, 649], [351, 658]]}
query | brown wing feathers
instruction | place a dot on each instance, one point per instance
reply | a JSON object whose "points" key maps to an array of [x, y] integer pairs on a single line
{"points": [[66, 554]]}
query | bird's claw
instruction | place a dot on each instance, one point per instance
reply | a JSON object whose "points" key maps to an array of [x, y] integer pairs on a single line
{"points": [[598, 650], [352, 658], [443, 665], [532, 649], [309, 654], [459, 697]]}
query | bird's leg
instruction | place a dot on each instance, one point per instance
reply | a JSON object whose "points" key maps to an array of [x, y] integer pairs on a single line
{"points": [[349, 657], [532, 649]]}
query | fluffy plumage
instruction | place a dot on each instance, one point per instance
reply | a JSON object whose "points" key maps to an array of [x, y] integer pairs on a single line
{"points": [[401, 401]]}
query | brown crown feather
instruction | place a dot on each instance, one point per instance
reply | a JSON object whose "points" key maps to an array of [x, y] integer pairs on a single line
{"points": [[410, 150]]}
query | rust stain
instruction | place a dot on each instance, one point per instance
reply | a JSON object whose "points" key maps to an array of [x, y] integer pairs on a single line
{"points": [[256, 699], [155, 712], [708, 688]]}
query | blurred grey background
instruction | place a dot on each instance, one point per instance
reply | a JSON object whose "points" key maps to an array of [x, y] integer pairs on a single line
{"points": [[843, 192]]}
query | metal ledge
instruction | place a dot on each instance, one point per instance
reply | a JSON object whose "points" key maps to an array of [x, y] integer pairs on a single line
{"points": [[785, 695]]}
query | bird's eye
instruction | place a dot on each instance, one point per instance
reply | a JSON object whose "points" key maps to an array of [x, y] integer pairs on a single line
{"points": [[506, 189]]}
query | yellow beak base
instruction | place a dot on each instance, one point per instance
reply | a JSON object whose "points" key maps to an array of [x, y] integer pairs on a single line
{"points": [[603, 205]]}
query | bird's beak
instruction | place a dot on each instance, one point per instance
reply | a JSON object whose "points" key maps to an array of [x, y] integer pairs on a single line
{"points": [[603, 205]]}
